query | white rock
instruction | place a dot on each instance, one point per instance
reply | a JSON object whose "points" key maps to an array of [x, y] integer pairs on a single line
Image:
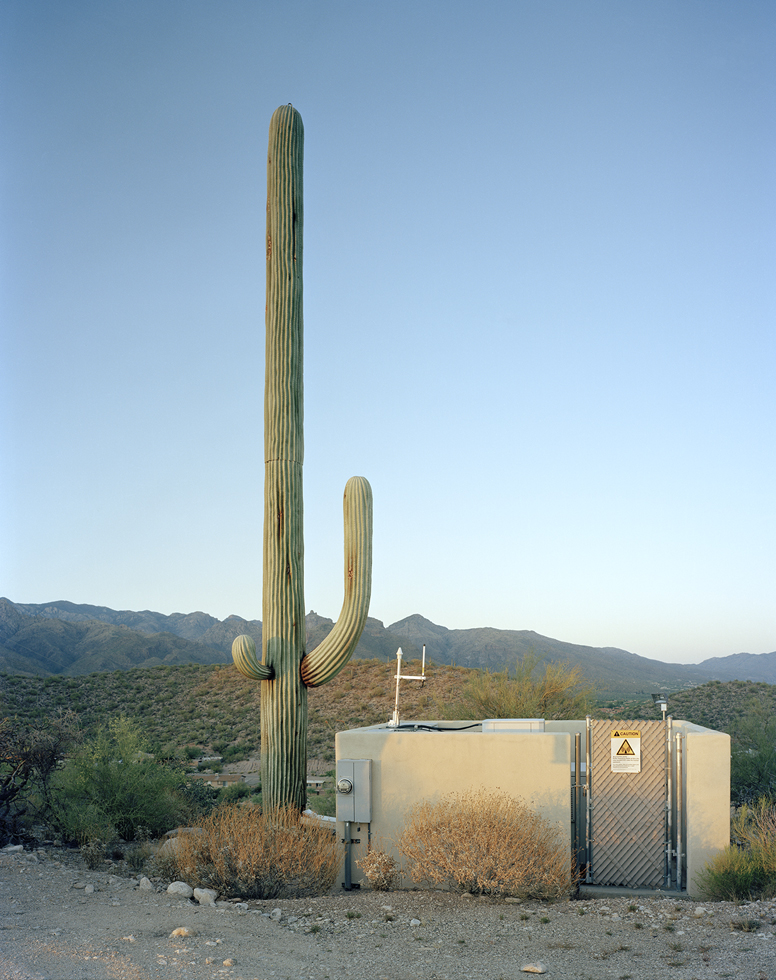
{"points": [[145, 885], [89, 890], [13, 848], [414, 922], [180, 888], [205, 896], [276, 915], [699, 913], [536, 967]]}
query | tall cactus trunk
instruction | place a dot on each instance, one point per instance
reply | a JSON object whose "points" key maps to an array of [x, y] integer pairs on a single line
{"points": [[285, 670], [284, 697]]}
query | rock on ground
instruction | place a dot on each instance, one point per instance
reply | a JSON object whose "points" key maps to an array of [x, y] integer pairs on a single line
{"points": [[53, 928]]}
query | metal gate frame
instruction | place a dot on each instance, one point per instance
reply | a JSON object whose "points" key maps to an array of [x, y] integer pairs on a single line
{"points": [[673, 831]]}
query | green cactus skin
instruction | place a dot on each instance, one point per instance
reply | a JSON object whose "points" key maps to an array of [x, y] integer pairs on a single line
{"points": [[286, 671]]}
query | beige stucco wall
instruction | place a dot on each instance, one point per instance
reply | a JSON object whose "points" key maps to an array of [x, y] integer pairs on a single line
{"points": [[409, 766], [707, 792]]}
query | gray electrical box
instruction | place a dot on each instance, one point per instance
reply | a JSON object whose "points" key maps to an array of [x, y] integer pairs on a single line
{"points": [[354, 790]]}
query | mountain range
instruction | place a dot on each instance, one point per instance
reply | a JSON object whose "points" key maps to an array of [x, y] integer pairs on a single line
{"points": [[72, 639]]}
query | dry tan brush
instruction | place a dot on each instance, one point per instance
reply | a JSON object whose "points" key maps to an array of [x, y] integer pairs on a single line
{"points": [[244, 852], [486, 843], [380, 869]]}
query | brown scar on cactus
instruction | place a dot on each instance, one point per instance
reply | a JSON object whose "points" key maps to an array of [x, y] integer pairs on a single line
{"points": [[286, 668]]}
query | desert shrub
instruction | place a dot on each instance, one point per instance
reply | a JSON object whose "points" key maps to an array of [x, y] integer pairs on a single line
{"points": [[199, 798], [111, 786], [29, 756], [753, 761], [235, 753], [237, 791], [380, 869], [489, 843], [557, 691], [140, 854], [248, 853], [746, 869], [93, 853]]}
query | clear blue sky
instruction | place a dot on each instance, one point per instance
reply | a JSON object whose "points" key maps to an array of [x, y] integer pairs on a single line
{"points": [[539, 308]]}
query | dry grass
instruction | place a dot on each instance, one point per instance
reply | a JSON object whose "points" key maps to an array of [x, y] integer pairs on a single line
{"points": [[380, 869], [746, 869], [486, 843], [244, 852]]}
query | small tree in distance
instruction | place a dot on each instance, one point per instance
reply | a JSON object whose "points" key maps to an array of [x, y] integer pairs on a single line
{"points": [[559, 691]]}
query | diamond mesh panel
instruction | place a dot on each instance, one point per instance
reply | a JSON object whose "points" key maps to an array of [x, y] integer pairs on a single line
{"points": [[628, 809]]}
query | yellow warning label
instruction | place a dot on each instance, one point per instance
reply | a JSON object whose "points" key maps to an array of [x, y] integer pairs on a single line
{"points": [[626, 750]]}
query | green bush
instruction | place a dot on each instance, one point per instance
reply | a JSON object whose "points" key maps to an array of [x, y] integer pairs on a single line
{"points": [[199, 797], [238, 752], [112, 786], [753, 762], [233, 793], [747, 869], [558, 691]]}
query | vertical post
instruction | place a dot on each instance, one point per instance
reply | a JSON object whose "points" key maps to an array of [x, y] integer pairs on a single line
{"points": [[669, 799], [588, 813], [680, 742], [347, 885], [577, 801]]}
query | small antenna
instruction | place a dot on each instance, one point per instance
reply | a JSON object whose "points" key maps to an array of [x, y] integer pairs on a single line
{"points": [[394, 722]]}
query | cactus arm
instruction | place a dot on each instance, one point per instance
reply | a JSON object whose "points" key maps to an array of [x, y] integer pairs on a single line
{"points": [[246, 661], [330, 656]]}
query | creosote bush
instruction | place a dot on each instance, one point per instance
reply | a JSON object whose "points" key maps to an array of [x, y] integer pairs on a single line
{"points": [[245, 852], [486, 843], [557, 691], [110, 786], [746, 869], [380, 869]]}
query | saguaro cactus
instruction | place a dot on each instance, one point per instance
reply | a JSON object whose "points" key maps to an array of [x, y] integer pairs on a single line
{"points": [[286, 669]]}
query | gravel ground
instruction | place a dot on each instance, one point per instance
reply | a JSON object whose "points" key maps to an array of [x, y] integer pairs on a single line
{"points": [[59, 921]]}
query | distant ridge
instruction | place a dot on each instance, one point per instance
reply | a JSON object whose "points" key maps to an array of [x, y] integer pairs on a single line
{"points": [[608, 668], [63, 637]]}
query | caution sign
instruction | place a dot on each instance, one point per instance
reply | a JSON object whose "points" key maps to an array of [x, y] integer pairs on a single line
{"points": [[626, 750]]}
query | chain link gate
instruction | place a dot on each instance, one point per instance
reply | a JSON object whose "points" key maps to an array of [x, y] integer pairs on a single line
{"points": [[634, 815]]}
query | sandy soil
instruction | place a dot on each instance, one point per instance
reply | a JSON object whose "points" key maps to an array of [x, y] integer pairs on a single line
{"points": [[59, 921]]}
